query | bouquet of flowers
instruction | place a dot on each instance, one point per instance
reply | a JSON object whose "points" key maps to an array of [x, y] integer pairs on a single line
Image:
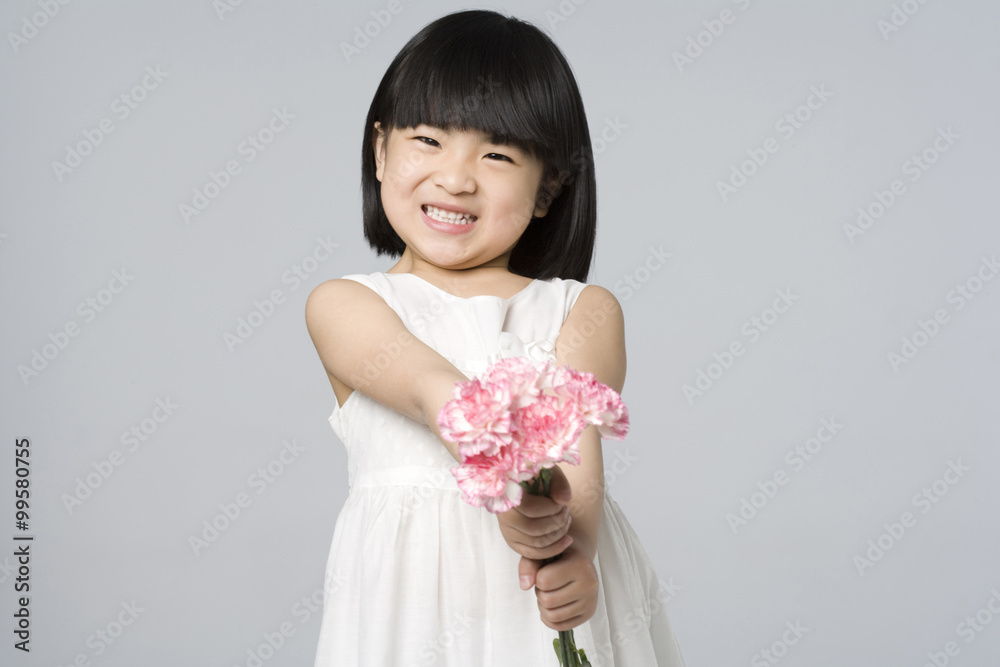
{"points": [[513, 424]]}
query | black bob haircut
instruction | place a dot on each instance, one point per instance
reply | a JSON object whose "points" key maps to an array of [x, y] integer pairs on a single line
{"points": [[482, 71]]}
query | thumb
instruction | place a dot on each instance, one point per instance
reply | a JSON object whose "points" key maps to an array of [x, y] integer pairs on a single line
{"points": [[526, 570], [559, 488]]}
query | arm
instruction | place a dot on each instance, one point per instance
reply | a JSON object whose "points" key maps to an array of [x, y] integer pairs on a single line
{"points": [[364, 345], [592, 339]]}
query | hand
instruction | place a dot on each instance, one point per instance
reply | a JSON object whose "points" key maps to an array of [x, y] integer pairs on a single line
{"points": [[537, 527], [566, 588]]}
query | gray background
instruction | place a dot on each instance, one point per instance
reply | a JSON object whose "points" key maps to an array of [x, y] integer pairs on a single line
{"points": [[690, 463]]}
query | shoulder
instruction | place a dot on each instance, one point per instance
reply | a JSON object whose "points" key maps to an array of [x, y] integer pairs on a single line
{"points": [[594, 301], [595, 321], [593, 336], [339, 294]]}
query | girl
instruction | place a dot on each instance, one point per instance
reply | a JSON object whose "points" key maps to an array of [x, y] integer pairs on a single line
{"points": [[477, 174]]}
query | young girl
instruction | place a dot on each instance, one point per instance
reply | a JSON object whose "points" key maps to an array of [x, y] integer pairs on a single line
{"points": [[477, 174]]}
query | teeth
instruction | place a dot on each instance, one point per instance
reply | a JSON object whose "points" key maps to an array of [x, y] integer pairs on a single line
{"points": [[449, 216]]}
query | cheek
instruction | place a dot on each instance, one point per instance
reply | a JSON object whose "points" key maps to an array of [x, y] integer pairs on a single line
{"points": [[524, 202], [407, 165], [395, 172], [517, 214], [391, 195]]}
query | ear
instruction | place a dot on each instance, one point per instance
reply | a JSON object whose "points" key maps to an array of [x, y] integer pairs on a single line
{"points": [[548, 190], [378, 142]]}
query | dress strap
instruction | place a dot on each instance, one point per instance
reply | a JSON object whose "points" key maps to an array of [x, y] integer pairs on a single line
{"points": [[365, 279], [379, 284]]}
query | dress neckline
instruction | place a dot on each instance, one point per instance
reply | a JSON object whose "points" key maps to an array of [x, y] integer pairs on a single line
{"points": [[468, 298]]}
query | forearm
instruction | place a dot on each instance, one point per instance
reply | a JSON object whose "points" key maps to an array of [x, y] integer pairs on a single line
{"points": [[587, 484]]}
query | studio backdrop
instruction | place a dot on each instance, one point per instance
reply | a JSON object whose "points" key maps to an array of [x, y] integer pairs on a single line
{"points": [[797, 212]]}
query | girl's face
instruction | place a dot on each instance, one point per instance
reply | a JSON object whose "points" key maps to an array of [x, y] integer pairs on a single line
{"points": [[431, 177]]}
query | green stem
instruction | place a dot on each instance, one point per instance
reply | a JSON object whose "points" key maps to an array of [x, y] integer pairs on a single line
{"points": [[566, 641]]}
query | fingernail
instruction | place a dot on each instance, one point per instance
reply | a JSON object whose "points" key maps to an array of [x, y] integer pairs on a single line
{"points": [[525, 583]]}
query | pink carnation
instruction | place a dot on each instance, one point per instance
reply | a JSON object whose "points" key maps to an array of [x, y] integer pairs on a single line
{"points": [[489, 481], [518, 419], [600, 405], [518, 376], [548, 430], [478, 419]]}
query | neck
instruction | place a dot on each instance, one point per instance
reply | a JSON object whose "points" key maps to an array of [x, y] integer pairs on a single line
{"points": [[411, 263]]}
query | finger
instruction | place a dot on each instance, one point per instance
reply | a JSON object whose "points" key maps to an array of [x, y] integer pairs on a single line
{"points": [[526, 529], [541, 553], [548, 527], [555, 578], [565, 617], [558, 529], [568, 624], [554, 582], [559, 487], [533, 507], [526, 570], [552, 537]]}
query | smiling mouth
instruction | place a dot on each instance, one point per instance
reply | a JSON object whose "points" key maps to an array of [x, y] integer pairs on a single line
{"points": [[450, 217]]}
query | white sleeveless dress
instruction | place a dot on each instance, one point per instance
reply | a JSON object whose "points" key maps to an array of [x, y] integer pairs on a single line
{"points": [[416, 576]]}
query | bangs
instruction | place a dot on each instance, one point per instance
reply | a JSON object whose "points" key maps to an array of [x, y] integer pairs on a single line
{"points": [[478, 81]]}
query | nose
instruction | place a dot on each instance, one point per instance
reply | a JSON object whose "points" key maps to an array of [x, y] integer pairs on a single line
{"points": [[456, 174]]}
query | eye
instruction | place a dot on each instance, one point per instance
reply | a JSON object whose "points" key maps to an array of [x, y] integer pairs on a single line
{"points": [[501, 157], [427, 140]]}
